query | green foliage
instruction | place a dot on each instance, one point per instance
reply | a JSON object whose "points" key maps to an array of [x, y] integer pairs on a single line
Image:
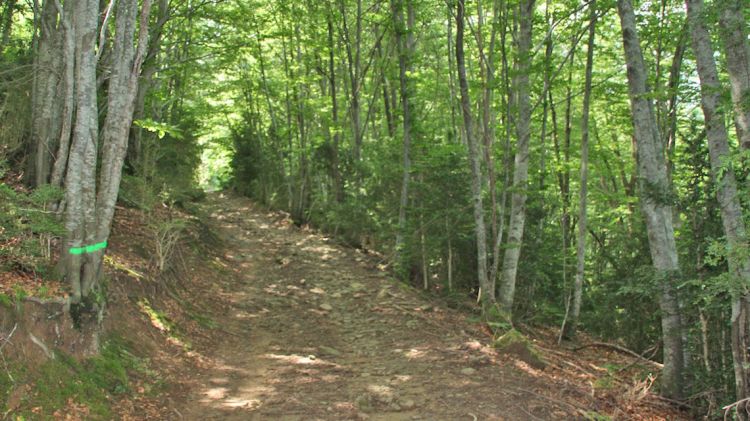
{"points": [[25, 226], [137, 192], [159, 128], [93, 382]]}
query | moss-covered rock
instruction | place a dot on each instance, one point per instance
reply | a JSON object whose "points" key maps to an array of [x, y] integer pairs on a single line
{"points": [[516, 344]]}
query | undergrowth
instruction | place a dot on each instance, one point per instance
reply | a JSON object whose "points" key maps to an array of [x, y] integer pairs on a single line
{"points": [[91, 384]]}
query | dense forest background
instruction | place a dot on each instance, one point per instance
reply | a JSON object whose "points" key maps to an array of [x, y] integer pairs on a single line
{"points": [[576, 164]]}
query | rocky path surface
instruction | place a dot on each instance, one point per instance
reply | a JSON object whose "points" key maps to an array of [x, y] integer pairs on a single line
{"points": [[316, 332]]}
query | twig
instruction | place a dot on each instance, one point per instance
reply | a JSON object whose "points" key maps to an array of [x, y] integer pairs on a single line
{"points": [[735, 405], [653, 351], [553, 400], [5, 363], [618, 348], [7, 339], [681, 404], [42, 346]]}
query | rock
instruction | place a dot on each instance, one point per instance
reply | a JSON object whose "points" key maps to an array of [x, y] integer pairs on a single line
{"points": [[408, 404], [363, 403], [468, 371], [326, 307], [515, 344], [330, 351]]}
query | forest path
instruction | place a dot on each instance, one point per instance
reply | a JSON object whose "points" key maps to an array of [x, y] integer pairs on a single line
{"points": [[318, 333]]}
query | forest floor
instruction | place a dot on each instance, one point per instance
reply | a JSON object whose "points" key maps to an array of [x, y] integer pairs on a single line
{"points": [[305, 329], [259, 319]]}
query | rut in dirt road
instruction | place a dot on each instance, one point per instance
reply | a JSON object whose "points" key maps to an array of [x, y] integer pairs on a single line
{"points": [[322, 334]]}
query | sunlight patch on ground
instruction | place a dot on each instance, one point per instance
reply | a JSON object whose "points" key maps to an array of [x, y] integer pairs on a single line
{"points": [[297, 359], [216, 393], [414, 353], [256, 390], [527, 368], [401, 378], [242, 403], [244, 315]]}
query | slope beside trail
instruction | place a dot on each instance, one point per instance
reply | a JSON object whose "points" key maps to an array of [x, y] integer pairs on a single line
{"points": [[314, 331]]}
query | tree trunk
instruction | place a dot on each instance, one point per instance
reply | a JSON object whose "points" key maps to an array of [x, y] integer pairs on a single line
{"points": [[475, 159], [338, 191], [6, 20], [355, 70], [732, 30], [80, 181], [404, 45], [68, 92], [575, 310], [521, 169], [655, 203], [90, 211], [726, 193], [46, 107]]}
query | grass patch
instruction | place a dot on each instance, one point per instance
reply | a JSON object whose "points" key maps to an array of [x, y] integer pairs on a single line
{"points": [[92, 383], [162, 322], [6, 301], [203, 321]]}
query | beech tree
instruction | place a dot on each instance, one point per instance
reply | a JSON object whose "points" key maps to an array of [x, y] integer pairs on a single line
{"points": [[726, 188], [655, 192], [521, 167], [68, 148]]}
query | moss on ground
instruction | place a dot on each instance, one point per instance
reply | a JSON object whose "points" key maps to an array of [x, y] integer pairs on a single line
{"points": [[92, 384], [515, 343]]}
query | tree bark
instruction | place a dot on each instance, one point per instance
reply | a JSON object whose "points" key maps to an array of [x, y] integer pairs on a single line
{"points": [[6, 20], [68, 90], [90, 210], [732, 30], [726, 193], [46, 109], [404, 45], [655, 201], [575, 308], [338, 191], [475, 159], [80, 181], [521, 169]]}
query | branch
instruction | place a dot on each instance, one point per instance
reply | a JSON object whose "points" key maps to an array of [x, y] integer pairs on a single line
{"points": [[620, 349], [736, 406], [103, 32], [7, 339]]}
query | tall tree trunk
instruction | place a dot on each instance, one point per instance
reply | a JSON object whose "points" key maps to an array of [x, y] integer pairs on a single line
{"points": [[90, 210], [68, 89], [355, 69], [521, 169], [80, 180], [726, 193], [575, 309], [6, 22], [475, 159], [404, 43], [46, 108], [654, 194], [732, 30], [338, 191]]}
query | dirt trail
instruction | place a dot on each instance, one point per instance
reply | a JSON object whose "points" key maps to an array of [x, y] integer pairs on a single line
{"points": [[315, 332]]}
